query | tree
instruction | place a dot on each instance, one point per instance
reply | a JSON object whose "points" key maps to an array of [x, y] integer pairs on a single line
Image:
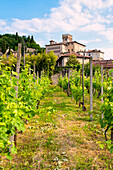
{"points": [[12, 40], [4, 46], [87, 69], [49, 63], [72, 61], [28, 38], [32, 39], [43, 61], [17, 36]]}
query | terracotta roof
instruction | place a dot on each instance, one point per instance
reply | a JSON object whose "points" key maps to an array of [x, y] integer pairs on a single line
{"points": [[76, 54], [79, 43], [54, 44], [93, 51], [66, 43], [106, 63]]}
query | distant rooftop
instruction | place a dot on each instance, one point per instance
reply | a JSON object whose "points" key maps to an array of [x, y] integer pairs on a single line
{"points": [[93, 51]]}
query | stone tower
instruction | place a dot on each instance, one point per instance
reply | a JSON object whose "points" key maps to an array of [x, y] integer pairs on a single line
{"points": [[66, 38]]}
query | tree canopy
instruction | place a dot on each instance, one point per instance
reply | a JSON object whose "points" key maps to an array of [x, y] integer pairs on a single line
{"points": [[87, 69], [72, 61], [12, 40], [43, 61]]}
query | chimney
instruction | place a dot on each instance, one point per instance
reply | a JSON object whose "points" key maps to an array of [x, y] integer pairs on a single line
{"points": [[52, 42]]}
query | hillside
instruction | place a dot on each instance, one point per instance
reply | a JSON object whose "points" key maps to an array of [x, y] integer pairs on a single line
{"points": [[12, 40]]}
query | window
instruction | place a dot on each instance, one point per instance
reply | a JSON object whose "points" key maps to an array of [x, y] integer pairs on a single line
{"points": [[72, 49], [68, 50]]}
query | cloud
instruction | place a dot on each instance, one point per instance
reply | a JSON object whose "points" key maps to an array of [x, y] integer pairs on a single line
{"points": [[2, 25], [90, 41], [70, 16], [93, 27], [108, 34], [2, 22], [108, 53]]}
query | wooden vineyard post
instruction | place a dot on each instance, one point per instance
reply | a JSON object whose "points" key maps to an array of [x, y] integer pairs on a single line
{"points": [[80, 85], [112, 76], [112, 127], [29, 70], [18, 63], [83, 107], [24, 57], [37, 77], [91, 89], [68, 81], [62, 79], [34, 69], [13, 137], [102, 85]]}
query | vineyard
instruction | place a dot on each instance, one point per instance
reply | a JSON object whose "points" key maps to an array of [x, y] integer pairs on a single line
{"points": [[55, 127]]}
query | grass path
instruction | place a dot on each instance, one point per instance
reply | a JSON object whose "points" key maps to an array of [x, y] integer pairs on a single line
{"points": [[61, 136]]}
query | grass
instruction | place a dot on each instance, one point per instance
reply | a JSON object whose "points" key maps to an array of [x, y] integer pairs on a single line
{"points": [[61, 136]]}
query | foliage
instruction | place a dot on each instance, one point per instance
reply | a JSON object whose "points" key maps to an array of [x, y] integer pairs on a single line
{"points": [[10, 61], [12, 40], [43, 61], [75, 85], [72, 61], [107, 110], [15, 110], [87, 69]]}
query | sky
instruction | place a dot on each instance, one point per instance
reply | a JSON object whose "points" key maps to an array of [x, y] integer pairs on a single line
{"points": [[90, 22]]}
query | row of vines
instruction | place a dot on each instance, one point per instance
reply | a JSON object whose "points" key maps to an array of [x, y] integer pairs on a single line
{"points": [[15, 111], [20, 95], [73, 87]]}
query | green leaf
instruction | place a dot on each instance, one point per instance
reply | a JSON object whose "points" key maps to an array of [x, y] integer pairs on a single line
{"points": [[15, 73], [8, 156], [1, 144]]}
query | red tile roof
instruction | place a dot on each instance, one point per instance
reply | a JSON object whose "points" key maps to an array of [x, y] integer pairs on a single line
{"points": [[106, 63], [66, 54], [94, 51], [66, 43]]}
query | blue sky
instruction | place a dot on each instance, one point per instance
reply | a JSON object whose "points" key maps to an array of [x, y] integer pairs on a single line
{"points": [[89, 21], [25, 9]]}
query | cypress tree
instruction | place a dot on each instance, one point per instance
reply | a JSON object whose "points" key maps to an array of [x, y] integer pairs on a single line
{"points": [[17, 36], [4, 46]]}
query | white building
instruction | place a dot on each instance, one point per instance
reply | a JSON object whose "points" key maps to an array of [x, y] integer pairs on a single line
{"points": [[96, 54]]}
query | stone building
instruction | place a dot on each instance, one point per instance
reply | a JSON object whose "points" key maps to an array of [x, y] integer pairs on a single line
{"points": [[66, 48], [96, 54], [65, 56], [68, 45]]}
